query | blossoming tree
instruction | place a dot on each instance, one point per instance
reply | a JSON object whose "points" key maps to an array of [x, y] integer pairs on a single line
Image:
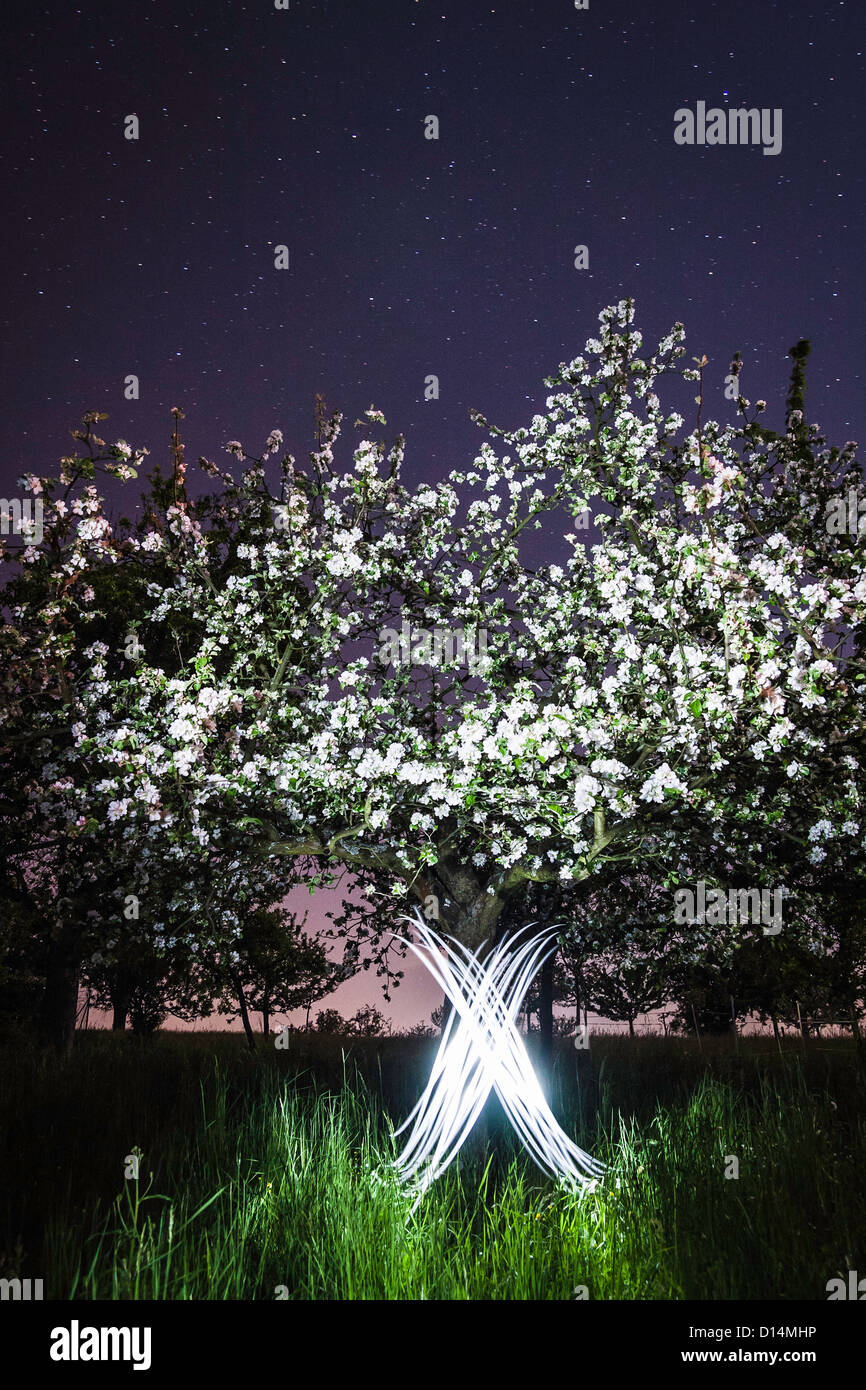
{"points": [[691, 668], [90, 884], [688, 671]]}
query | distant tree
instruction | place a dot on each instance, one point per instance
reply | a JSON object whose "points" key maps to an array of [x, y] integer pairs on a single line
{"points": [[21, 971], [140, 982], [546, 906], [416, 1030], [551, 986], [841, 903], [625, 987], [438, 1017], [330, 1021], [368, 1022], [614, 945], [770, 978], [702, 997], [147, 1008], [279, 967]]}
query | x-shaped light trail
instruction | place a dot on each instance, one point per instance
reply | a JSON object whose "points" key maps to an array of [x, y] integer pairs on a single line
{"points": [[480, 1050]]}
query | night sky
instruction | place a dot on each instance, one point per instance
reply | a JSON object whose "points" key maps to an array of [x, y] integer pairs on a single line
{"points": [[305, 127]]}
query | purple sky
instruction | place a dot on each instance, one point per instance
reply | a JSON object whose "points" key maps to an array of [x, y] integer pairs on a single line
{"points": [[408, 256]]}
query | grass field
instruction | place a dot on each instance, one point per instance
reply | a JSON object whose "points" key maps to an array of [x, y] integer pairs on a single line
{"points": [[266, 1176]]}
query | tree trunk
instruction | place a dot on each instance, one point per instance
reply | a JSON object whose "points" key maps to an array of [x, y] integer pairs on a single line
{"points": [[245, 1017], [545, 1015], [121, 993], [631, 1027], [120, 1003], [857, 1036], [804, 1027], [60, 1001], [466, 909], [697, 1029], [776, 1032]]}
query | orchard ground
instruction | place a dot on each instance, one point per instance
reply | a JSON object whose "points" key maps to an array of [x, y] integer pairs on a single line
{"points": [[735, 1171]]}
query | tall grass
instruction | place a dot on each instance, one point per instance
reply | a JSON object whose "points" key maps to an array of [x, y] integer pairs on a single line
{"points": [[268, 1177]]}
